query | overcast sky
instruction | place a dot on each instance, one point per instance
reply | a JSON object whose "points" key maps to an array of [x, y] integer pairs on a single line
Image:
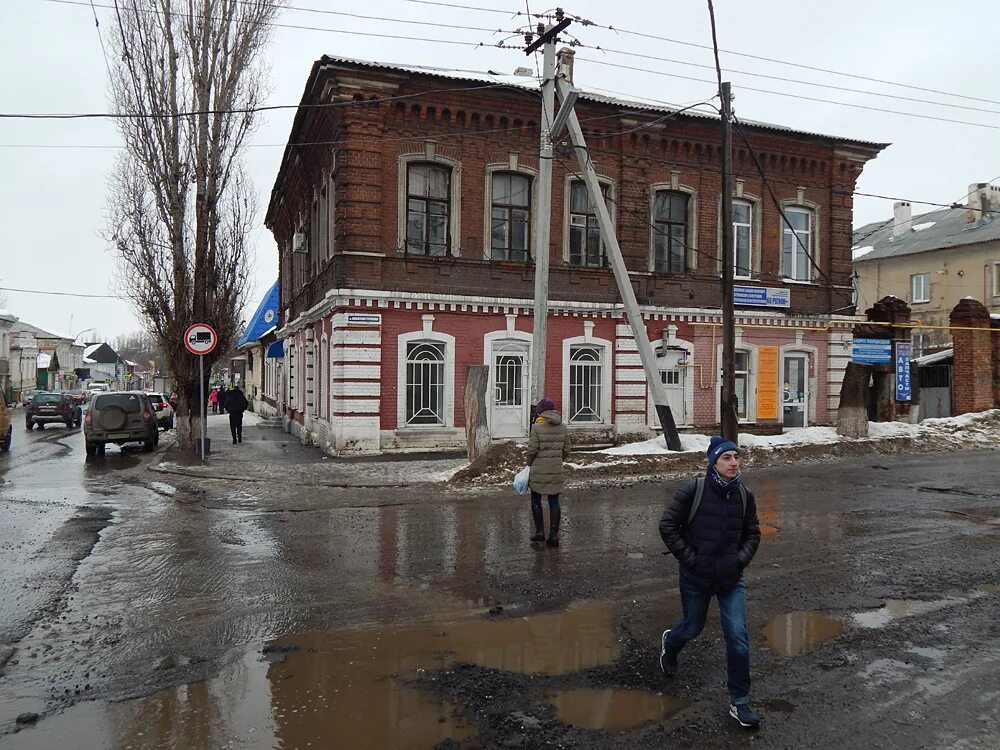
{"points": [[55, 172]]}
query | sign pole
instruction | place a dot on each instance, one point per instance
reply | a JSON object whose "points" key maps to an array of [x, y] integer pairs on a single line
{"points": [[201, 389]]}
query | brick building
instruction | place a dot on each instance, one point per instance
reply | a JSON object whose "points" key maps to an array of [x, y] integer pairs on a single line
{"points": [[403, 213]]}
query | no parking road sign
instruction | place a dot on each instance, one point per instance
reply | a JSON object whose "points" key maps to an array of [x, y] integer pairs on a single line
{"points": [[200, 338]]}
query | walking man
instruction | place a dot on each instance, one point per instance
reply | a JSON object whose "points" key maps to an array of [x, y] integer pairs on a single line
{"points": [[711, 528], [236, 403]]}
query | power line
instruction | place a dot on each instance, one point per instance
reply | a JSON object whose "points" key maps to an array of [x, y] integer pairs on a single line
{"points": [[796, 96], [100, 38], [777, 61], [61, 294], [783, 79]]}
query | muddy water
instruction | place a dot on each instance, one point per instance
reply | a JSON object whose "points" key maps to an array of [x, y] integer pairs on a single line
{"points": [[612, 710], [347, 688], [797, 633]]}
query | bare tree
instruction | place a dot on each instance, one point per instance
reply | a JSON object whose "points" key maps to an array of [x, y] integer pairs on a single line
{"points": [[186, 85]]}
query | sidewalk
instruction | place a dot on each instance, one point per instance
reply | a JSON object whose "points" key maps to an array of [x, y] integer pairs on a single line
{"points": [[268, 454]]}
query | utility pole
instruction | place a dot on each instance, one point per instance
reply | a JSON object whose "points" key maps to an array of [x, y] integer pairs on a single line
{"points": [[547, 37], [730, 421], [567, 96]]}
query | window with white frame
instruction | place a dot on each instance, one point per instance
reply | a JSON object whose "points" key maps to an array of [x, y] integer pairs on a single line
{"points": [[742, 238], [428, 208], [796, 243], [670, 222], [585, 245], [510, 216], [920, 287], [996, 279], [742, 368], [586, 384], [425, 383]]}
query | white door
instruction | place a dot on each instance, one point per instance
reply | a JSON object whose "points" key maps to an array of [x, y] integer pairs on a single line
{"points": [[508, 378], [673, 375], [795, 390]]}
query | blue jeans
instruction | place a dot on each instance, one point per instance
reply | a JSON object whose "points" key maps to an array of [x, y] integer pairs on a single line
{"points": [[733, 608]]}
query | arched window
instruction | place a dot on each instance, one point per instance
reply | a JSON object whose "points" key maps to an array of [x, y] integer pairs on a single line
{"points": [[428, 208], [586, 383], [425, 383]]}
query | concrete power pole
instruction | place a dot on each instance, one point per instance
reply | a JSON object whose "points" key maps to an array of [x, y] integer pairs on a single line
{"points": [[540, 238], [728, 407], [567, 96]]}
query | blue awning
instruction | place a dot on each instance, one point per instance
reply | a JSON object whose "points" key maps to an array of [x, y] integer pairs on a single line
{"points": [[264, 319], [276, 350]]}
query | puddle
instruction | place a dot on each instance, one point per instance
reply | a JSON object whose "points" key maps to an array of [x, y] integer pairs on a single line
{"points": [[345, 688], [895, 609], [612, 710], [798, 633]]}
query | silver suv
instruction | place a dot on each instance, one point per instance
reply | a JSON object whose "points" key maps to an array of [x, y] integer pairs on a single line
{"points": [[120, 417]]}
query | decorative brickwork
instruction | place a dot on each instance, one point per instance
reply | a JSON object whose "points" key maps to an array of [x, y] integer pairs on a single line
{"points": [[972, 374]]}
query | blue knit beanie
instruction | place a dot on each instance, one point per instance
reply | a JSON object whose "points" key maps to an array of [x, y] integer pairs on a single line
{"points": [[717, 446]]}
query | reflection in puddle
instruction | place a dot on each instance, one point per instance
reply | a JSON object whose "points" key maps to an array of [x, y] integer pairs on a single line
{"points": [[345, 688], [612, 710], [798, 633]]}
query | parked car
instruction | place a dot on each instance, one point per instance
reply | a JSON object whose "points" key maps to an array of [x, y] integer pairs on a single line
{"points": [[164, 411], [98, 388], [52, 406], [120, 417], [6, 429]]}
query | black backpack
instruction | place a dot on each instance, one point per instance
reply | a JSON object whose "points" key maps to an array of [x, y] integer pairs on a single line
{"points": [[699, 492]]}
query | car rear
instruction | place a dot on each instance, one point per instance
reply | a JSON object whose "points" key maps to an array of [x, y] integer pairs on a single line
{"points": [[164, 411], [122, 417], [45, 407]]}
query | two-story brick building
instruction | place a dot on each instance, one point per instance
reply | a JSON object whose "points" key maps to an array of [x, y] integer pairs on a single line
{"points": [[403, 213]]}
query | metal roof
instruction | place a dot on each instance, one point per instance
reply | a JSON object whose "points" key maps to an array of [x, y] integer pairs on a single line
{"points": [[940, 229], [641, 104]]}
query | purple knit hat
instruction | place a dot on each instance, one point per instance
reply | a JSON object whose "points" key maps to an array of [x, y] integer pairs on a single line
{"points": [[546, 404]]}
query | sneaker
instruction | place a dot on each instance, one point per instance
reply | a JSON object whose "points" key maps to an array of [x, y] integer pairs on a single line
{"points": [[745, 715], [668, 657]]}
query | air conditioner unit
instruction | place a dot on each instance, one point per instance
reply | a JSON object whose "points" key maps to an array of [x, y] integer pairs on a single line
{"points": [[299, 242]]}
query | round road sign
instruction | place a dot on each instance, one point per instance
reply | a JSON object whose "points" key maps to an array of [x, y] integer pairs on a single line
{"points": [[200, 338]]}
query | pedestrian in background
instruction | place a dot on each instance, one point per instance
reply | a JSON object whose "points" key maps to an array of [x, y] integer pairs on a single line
{"points": [[548, 447], [213, 400], [236, 404], [711, 527], [221, 394]]}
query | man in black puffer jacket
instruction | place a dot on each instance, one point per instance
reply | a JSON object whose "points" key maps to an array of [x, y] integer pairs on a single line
{"points": [[713, 547]]}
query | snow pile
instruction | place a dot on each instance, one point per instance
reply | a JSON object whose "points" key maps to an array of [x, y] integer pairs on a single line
{"points": [[979, 427], [860, 252], [163, 488], [923, 226]]}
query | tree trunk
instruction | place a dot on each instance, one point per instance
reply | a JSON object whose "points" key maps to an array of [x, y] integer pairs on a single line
{"points": [[477, 432], [852, 416]]}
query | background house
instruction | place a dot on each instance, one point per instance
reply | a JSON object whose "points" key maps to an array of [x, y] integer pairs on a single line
{"points": [[7, 322], [933, 261], [403, 214], [42, 359]]}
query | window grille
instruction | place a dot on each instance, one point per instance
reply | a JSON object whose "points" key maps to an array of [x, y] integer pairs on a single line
{"points": [[586, 373], [424, 383]]}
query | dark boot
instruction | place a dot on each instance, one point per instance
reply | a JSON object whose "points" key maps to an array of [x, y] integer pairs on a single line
{"points": [[536, 516], [554, 516]]}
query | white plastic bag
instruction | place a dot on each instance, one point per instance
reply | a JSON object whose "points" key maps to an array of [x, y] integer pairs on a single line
{"points": [[521, 480]]}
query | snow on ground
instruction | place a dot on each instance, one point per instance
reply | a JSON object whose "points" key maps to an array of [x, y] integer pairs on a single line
{"points": [[163, 488], [691, 443]]}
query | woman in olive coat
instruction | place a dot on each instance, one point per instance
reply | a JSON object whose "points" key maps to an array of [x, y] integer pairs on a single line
{"points": [[548, 447]]}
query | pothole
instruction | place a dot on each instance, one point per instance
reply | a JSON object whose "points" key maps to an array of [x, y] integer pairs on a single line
{"points": [[896, 609], [612, 710], [797, 633]]}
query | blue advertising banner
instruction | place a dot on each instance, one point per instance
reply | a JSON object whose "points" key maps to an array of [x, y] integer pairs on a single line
{"points": [[904, 351], [872, 351], [758, 296]]}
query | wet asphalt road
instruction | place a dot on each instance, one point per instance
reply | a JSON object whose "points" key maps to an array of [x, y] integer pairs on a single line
{"points": [[140, 611]]}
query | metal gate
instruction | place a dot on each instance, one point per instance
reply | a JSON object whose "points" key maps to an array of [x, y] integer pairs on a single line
{"points": [[935, 391]]}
